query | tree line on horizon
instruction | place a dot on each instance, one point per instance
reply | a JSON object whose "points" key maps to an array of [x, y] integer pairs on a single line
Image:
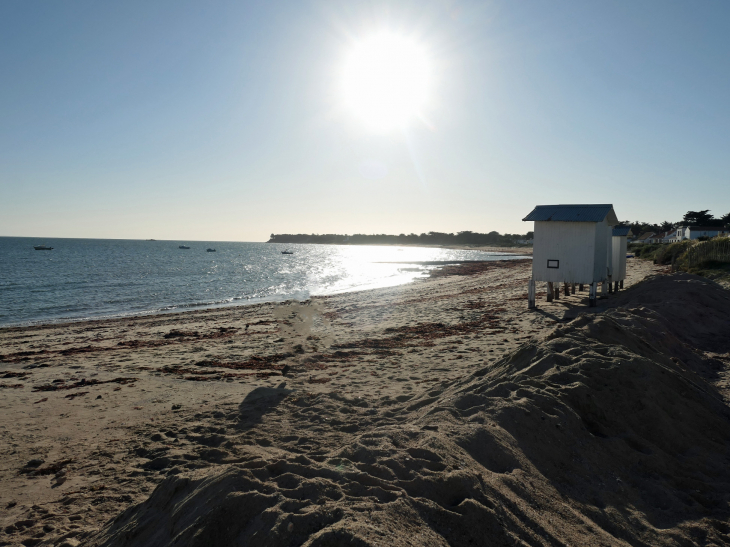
{"points": [[430, 238], [691, 218]]}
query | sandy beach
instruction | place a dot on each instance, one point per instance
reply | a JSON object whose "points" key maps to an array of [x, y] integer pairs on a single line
{"points": [[435, 413]]}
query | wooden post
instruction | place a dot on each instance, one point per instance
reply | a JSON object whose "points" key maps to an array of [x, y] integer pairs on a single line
{"points": [[604, 288], [556, 292], [531, 295], [622, 283], [580, 287], [550, 291], [615, 287], [592, 295], [572, 289], [610, 286]]}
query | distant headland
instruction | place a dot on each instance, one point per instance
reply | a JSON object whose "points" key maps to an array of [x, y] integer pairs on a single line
{"points": [[430, 238]]}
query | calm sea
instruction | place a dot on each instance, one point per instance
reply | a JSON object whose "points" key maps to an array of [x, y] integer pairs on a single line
{"points": [[92, 278]]}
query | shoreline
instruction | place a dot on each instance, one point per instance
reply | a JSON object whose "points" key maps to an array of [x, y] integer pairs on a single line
{"points": [[237, 302]]}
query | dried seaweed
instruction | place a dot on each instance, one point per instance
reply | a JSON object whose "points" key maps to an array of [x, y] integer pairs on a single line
{"points": [[82, 383], [221, 333], [312, 380], [74, 395], [476, 268], [15, 375], [48, 470]]}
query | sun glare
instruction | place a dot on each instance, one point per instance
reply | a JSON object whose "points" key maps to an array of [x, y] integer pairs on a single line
{"points": [[386, 80]]}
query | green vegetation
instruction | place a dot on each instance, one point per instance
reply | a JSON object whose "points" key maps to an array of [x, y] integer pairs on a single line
{"points": [[645, 251], [709, 259]]}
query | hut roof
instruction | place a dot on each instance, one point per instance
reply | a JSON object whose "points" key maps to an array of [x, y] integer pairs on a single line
{"points": [[573, 213], [621, 230]]}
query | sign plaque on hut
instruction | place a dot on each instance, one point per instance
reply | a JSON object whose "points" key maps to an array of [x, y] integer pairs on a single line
{"points": [[572, 245]]}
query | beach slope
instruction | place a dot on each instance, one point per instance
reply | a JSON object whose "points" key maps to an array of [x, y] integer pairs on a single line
{"points": [[440, 413]]}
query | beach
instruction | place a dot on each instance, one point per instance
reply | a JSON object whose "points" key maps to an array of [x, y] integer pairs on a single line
{"points": [[329, 410]]}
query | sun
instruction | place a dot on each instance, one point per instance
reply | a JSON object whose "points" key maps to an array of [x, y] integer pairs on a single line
{"points": [[386, 80]]}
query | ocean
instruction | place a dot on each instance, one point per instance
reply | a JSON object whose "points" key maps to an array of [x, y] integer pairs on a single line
{"points": [[96, 278]]}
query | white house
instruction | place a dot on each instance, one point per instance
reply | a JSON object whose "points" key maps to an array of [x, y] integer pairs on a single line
{"points": [[694, 232], [571, 246], [679, 233], [657, 238], [645, 237], [668, 237]]}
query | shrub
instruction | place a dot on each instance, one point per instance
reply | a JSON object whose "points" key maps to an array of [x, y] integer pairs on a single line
{"points": [[673, 252], [646, 251]]}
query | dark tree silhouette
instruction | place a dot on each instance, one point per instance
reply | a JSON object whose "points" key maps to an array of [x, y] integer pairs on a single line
{"points": [[638, 228], [700, 218], [431, 238]]}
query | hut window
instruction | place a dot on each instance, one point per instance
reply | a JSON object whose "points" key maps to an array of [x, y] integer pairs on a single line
{"points": [[553, 264]]}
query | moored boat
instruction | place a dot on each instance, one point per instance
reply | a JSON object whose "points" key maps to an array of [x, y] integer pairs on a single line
{"points": [[183, 247], [210, 250], [42, 248]]}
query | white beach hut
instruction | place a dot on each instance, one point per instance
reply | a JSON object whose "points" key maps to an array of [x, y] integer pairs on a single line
{"points": [[571, 246], [618, 250]]}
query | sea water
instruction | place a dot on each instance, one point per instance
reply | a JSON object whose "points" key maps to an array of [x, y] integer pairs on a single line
{"points": [[95, 278]]}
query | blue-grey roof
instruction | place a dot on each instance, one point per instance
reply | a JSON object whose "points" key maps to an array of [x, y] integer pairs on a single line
{"points": [[621, 230], [573, 213]]}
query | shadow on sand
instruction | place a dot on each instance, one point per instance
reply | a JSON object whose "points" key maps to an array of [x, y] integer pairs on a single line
{"points": [[258, 402]]}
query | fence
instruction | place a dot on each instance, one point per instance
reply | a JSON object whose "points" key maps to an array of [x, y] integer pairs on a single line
{"points": [[717, 250]]}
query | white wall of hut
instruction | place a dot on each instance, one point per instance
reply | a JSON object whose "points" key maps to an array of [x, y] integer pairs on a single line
{"points": [[581, 249], [618, 246]]}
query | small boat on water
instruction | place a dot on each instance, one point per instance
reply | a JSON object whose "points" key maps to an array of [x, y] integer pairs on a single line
{"points": [[183, 247], [210, 250], [42, 248], [287, 252]]}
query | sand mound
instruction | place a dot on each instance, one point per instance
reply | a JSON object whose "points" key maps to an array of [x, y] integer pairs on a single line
{"points": [[610, 431], [690, 307]]}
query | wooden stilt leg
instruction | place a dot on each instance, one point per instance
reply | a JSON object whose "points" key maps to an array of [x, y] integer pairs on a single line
{"points": [[572, 288], [566, 289], [615, 286], [610, 286], [580, 287], [550, 291], [622, 283], [531, 295], [592, 295], [604, 288], [556, 292]]}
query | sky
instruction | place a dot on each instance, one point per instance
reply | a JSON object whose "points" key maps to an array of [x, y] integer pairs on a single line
{"points": [[226, 120]]}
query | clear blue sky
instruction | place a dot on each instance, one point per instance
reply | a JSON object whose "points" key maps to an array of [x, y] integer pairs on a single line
{"points": [[223, 121]]}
